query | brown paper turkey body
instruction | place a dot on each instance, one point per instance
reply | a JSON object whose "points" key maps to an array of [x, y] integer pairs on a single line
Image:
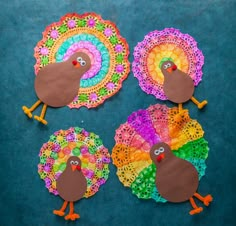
{"points": [[178, 86], [57, 84], [71, 186], [176, 179]]}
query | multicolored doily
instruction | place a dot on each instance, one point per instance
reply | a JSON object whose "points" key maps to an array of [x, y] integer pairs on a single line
{"points": [[99, 39], [157, 46], [75, 141], [145, 128]]}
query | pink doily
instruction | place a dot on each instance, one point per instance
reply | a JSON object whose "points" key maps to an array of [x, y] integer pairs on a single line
{"points": [[168, 43]]}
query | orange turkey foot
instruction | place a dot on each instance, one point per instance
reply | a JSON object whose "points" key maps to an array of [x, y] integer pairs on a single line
{"points": [[27, 111], [59, 212], [40, 119], [72, 216], [202, 104], [196, 211], [207, 200]]}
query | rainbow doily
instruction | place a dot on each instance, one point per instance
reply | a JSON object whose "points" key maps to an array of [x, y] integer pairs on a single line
{"points": [[99, 39], [75, 141], [158, 45], [143, 129]]}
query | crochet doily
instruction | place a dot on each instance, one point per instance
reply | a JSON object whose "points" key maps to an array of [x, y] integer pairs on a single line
{"points": [[143, 129], [75, 141], [157, 46], [100, 40]]}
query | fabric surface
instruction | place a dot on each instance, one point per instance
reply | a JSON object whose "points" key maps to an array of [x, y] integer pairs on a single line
{"points": [[24, 199]]}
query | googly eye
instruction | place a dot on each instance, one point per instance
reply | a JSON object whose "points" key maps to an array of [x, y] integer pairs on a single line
{"points": [[161, 149], [165, 66], [79, 59], [168, 65], [156, 152], [76, 163], [83, 63], [72, 162]]}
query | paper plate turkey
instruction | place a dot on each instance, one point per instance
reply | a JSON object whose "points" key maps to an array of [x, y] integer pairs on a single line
{"points": [[81, 60], [161, 158], [168, 65], [73, 164]]}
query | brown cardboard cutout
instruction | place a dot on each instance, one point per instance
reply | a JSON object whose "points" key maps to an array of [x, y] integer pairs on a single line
{"points": [[71, 184], [176, 179], [178, 86], [57, 84]]}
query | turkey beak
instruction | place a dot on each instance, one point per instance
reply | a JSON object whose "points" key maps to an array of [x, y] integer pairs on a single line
{"points": [[174, 67], [76, 64], [169, 69], [160, 157], [73, 167]]}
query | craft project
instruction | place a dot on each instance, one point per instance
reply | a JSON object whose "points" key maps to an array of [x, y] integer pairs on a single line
{"points": [[168, 65], [160, 157], [73, 164], [81, 61]]}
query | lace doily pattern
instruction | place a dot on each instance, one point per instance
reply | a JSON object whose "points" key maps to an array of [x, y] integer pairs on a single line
{"points": [[101, 41], [78, 142], [169, 43], [143, 129]]}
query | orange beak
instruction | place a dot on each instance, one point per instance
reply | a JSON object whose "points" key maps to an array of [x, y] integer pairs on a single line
{"points": [[160, 157], [73, 167], [76, 64], [173, 68], [169, 69]]}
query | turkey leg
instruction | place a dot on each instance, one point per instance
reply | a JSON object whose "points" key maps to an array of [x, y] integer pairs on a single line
{"points": [[196, 209], [206, 200], [61, 211], [41, 117], [72, 216], [199, 105], [28, 111]]}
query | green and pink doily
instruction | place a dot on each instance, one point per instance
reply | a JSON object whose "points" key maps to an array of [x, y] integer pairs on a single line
{"points": [[78, 142], [98, 38]]}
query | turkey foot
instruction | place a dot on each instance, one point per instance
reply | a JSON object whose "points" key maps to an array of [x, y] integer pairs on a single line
{"points": [[196, 209], [206, 200], [41, 117], [72, 216], [28, 111], [199, 105], [61, 211]]}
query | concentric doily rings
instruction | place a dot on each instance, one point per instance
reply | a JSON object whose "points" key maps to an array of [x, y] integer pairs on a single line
{"points": [[78, 142], [100, 40], [168, 44]]}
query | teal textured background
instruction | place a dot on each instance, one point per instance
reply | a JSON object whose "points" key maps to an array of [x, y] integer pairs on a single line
{"points": [[24, 200]]}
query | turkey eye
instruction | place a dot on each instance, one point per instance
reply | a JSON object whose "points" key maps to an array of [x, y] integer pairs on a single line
{"points": [[79, 59], [76, 163], [168, 65], [83, 63], [165, 66], [161, 149], [72, 162], [156, 152]]}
